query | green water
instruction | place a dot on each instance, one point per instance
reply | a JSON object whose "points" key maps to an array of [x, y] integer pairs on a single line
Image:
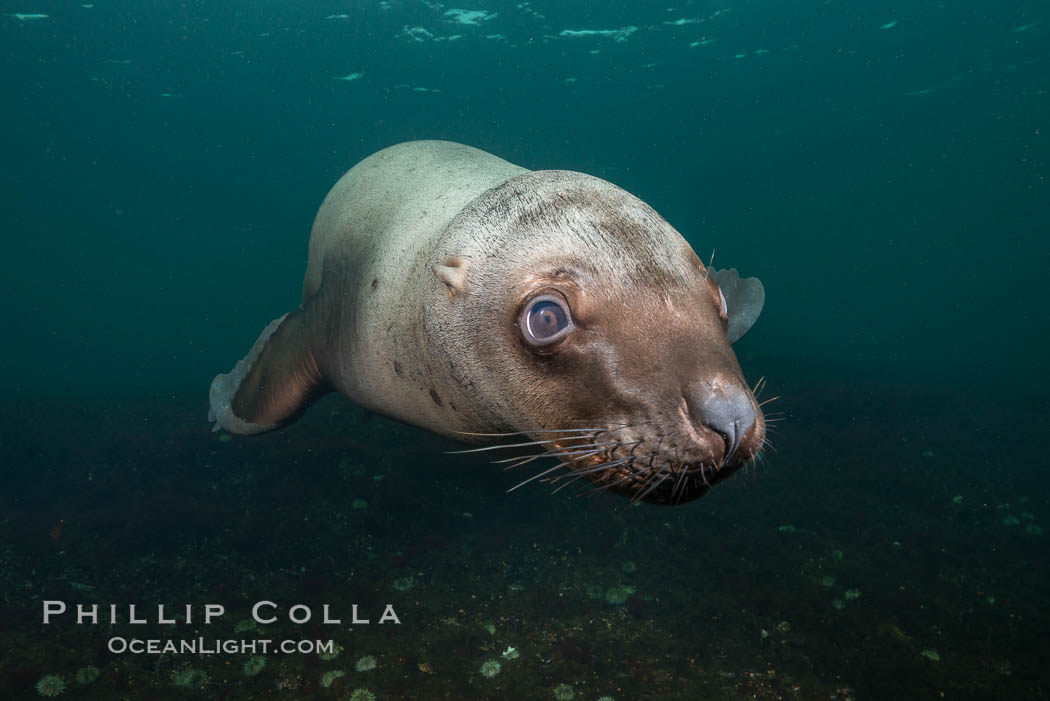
{"points": [[882, 167]]}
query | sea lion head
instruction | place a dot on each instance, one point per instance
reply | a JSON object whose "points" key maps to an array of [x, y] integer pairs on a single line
{"points": [[578, 316]]}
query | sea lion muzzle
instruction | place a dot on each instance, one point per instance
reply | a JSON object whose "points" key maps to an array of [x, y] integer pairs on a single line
{"points": [[727, 410]]}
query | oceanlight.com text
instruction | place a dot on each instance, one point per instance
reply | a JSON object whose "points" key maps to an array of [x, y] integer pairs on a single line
{"points": [[216, 646]]}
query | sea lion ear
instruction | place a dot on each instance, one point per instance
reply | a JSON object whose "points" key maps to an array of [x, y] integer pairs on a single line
{"points": [[453, 272], [744, 300]]}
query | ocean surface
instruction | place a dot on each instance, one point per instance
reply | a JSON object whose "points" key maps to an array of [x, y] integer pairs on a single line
{"points": [[884, 168]]}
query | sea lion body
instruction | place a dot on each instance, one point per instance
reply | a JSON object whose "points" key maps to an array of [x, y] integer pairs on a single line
{"points": [[430, 263]]}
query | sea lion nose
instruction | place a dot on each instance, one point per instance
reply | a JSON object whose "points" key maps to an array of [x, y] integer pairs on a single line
{"points": [[727, 410]]}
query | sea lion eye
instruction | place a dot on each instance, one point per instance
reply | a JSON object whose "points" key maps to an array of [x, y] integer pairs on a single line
{"points": [[545, 320]]}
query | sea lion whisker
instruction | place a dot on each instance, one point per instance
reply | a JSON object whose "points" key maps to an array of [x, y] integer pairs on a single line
{"points": [[571, 476], [673, 498], [703, 475], [569, 462], [614, 428], [656, 482], [535, 477], [575, 449], [605, 487], [640, 473], [689, 481], [582, 457], [561, 487], [505, 445], [626, 478], [643, 487], [767, 401], [524, 460], [754, 462], [579, 474], [633, 445], [600, 467], [520, 433], [679, 483], [652, 455], [622, 426], [571, 450]]}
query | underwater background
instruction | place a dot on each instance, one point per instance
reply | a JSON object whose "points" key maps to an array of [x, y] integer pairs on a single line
{"points": [[882, 167]]}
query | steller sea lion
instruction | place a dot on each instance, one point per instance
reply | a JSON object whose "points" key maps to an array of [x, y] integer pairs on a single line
{"points": [[458, 292]]}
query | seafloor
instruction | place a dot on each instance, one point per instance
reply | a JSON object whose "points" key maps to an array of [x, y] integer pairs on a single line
{"points": [[891, 548]]}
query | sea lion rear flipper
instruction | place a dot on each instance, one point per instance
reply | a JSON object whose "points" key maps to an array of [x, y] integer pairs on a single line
{"points": [[272, 385], [744, 300]]}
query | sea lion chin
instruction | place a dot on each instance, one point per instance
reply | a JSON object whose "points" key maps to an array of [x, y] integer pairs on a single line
{"points": [[452, 290]]}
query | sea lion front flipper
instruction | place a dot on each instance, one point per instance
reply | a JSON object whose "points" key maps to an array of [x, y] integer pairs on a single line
{"points": [[272, 385], [744, 300]]}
